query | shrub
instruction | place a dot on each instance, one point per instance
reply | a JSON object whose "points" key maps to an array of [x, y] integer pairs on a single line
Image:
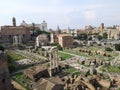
{"points": [[108, 49], [59, 47], [1, 48], [117, 47]]}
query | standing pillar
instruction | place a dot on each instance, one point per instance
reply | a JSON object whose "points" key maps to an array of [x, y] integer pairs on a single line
{"points": [[50, 58]]}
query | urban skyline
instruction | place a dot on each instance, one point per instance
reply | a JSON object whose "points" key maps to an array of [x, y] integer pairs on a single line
{"points": [[72, 13]]}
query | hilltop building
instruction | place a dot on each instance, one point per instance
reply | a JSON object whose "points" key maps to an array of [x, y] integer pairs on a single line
{"points": [[113, 32], [42, 26]]}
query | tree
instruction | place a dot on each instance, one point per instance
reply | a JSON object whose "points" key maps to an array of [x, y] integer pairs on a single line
{"points": [[99, 37], [90, 38], [108, 49], [1, 48], [82, 36], [105, 35], [117, 47], [59, 47], [87, 73]]}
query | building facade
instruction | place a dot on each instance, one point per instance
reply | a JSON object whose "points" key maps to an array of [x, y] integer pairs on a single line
{"points": [[41, 40], [54, 35], [42, 26], [65, 40], [13, 33]]}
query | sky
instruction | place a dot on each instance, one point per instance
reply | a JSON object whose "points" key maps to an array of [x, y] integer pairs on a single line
{"points": [[65, 13]]}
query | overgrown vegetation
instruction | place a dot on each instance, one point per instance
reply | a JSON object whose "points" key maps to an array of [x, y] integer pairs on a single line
{"points": [[1, 48], [72, 71], [117, 47], [108, 49], [58, 46], [99, 37], [105, 35], [22, 80], [113, 68], [82, 36], [64, 56], [12, 57]]}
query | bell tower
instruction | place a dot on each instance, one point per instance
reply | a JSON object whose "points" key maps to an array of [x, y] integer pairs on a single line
{"points": [[14, 21]]}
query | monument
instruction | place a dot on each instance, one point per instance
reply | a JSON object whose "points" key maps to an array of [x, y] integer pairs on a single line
{"points": [[53, 59]]}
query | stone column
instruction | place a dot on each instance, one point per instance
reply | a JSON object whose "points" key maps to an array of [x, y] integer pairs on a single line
{"points": [[50, 58]]}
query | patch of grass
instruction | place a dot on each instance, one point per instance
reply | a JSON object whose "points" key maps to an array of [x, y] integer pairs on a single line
{"points": [[76, 73], [22, 80], [114, 68], [101, 57], [64, 56], [14, 57], [72, 71], [110, 69]]}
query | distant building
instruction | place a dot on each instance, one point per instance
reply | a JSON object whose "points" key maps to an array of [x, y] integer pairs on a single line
{"points": [[54, 38], [5, 80], [113, 32], [70, 31], [42, 26], [55, 34], [41, 40], [65, 40], [88, 27], [11, 33]]}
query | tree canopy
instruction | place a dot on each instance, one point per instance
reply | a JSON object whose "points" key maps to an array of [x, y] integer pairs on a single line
{"points": [[82, 36], [105, 35], [1, 48], [117, 47]]}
